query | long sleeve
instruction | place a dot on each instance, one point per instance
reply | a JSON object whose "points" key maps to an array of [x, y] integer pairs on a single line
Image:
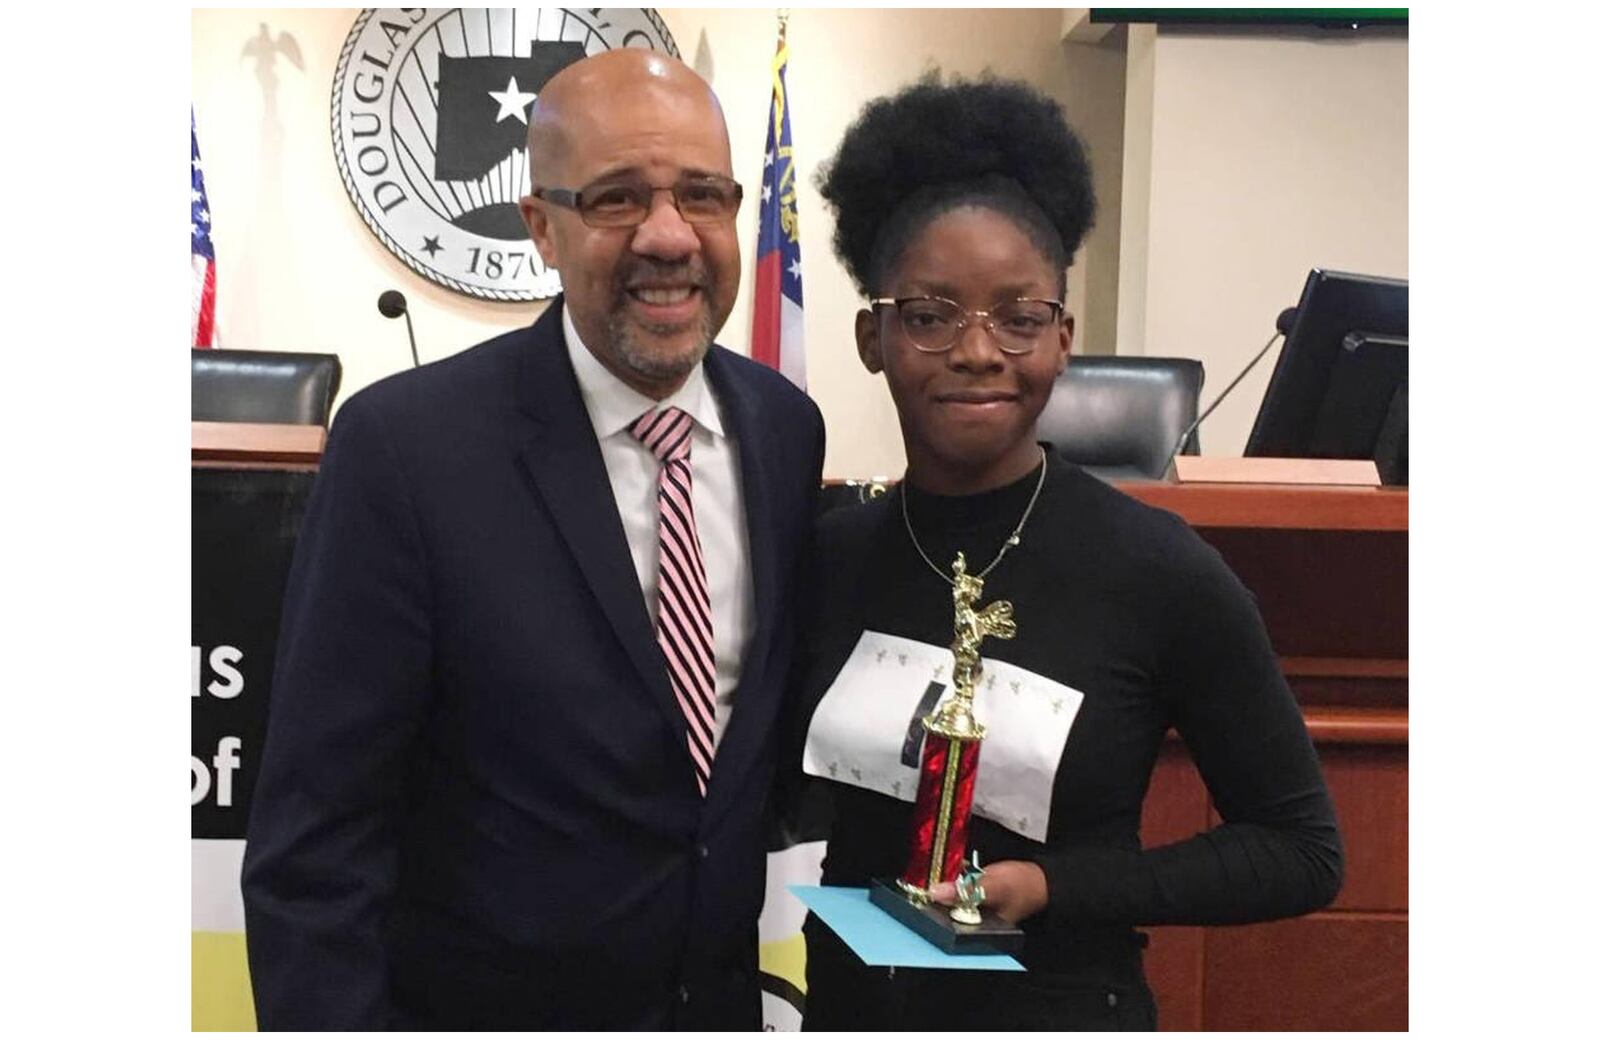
{"points": [[1278, 852], [348, 698]]}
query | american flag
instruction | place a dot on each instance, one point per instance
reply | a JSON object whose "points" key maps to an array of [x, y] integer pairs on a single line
{"points": [[778, 338], [203, 313]]}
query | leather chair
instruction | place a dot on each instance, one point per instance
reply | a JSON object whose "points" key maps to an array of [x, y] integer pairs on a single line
{"points": [[263, 386], [1119, 417]]}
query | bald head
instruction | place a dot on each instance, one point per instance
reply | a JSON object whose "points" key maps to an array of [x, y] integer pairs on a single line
{"points": [[628, 79], [646, 298]]}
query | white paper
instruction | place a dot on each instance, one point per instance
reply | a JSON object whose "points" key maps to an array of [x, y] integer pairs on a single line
{"points": [[860, 726]]}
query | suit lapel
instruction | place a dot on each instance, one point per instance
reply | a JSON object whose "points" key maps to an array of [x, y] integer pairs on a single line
{"points": [[754, 701], [563, 458]]}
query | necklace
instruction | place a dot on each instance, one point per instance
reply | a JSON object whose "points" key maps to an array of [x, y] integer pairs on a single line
{"points": [[1010, 543]]}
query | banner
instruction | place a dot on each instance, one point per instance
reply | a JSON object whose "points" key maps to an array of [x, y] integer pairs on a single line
{"points": [[244, 524]]}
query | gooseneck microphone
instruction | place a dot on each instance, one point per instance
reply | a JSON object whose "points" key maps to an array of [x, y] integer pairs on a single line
{"points": [[392, 304], [1286, 318]]}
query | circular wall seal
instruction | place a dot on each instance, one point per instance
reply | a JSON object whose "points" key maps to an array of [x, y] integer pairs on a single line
{"points": [[430, 120]]}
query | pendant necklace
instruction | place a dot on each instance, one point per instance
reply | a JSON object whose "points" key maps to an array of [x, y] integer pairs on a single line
{"points": [[1010, 543]]}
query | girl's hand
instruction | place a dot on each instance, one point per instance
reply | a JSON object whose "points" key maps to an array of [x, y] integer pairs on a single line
{"points": [[1014, 889]]}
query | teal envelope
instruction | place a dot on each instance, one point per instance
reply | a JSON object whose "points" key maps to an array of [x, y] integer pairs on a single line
{"points": [[880, 940]]}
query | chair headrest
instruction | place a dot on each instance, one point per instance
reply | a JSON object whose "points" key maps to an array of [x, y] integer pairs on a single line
{"points": [[1120, 415], [266, 386]]}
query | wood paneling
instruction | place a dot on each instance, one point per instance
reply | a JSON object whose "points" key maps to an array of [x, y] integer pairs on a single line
{"points": [[1325, 594], [1369, 788], [1175, 808], [1358, 691], [1174, 965], [1324, 972], [1364, 758]]}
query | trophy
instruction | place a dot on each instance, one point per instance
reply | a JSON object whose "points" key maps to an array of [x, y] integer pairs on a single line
{"points": [[949, 774]]}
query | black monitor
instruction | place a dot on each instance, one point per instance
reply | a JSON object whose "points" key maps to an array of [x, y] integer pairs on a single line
{"points": [[1339, 390]]}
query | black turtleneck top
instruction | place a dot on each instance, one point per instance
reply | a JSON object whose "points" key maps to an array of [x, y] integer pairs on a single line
{"points": [[1126, 604]]}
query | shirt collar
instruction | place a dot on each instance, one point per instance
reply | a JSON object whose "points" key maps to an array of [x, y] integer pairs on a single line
{"points": [[613, 405]]}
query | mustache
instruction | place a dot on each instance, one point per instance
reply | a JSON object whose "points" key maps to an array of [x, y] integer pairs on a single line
{"points": [[648, 271]]}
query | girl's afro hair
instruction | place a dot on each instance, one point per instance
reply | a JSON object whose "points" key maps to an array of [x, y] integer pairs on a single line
{"points": [[934, 144]]}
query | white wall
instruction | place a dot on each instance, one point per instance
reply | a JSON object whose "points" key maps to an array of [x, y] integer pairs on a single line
{"points": [[1091, 87], [1270, 154], [1249, 159]]}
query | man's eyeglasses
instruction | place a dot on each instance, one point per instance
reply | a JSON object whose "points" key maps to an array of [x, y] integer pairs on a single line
{"points": [[933, 324], [705, 199]]}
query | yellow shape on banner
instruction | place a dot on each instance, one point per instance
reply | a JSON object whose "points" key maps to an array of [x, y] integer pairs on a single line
{"points": [[219, 994], [786, 959]]}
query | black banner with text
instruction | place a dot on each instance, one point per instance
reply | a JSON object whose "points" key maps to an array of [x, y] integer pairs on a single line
{"points": [[244, 528]]}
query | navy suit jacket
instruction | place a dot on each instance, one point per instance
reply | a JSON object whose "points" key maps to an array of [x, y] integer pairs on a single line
{"points": [[476, 805]]}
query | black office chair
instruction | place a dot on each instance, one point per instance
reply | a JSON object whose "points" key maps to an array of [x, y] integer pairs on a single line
{"points": [[263, 386], [1119, 417]]}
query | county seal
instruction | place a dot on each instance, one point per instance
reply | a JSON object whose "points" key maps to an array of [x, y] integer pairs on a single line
{"points": [[430, 119]]}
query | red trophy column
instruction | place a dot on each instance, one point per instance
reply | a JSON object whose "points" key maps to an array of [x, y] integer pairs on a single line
{"points": [[950, 749]]}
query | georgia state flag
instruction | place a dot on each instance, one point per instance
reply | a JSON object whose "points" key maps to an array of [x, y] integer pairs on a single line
{"points": [[778, 338]]}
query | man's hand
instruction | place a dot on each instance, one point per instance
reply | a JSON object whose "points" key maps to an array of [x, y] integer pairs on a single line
{"points": [[1014, 889]]}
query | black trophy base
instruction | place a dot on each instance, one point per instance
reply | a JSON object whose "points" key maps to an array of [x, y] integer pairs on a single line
{"points": [[933, 922]]}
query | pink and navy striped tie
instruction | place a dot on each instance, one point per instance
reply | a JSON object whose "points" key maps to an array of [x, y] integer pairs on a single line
{"points": [[683, 623]]}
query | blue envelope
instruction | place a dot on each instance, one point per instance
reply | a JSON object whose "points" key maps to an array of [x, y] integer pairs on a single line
{"points": [[880, 940]]}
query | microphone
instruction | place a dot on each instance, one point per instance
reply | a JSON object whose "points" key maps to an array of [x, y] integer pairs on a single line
{"points": [[392, 304], [1286, 320]]}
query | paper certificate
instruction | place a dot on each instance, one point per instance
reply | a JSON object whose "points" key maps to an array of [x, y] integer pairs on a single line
{"points": [[867, 729]]}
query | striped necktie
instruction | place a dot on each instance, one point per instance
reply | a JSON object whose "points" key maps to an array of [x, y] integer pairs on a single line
{"points": [[683, 621]]}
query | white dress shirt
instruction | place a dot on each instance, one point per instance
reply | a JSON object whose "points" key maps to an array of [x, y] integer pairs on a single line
{"points": [[718, 501]]}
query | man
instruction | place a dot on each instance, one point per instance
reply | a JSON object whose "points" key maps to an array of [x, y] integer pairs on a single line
{"points": [[531, 657]]}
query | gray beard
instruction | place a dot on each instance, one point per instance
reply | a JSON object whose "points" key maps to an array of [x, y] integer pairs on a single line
{"points": [[650, 366]]}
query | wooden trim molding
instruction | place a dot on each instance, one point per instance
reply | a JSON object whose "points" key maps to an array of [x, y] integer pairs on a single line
{"points": [[273, 444], [1340, 914], [1359, 725], [1345, 667]]}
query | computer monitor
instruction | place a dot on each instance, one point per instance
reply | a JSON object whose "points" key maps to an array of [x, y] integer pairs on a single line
{"points": [[1339, 390]]}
